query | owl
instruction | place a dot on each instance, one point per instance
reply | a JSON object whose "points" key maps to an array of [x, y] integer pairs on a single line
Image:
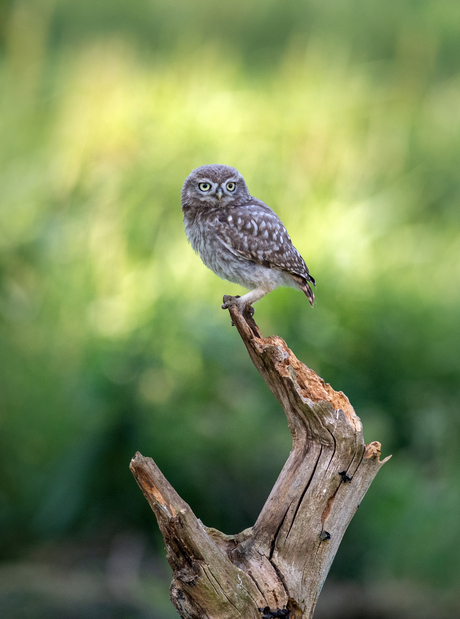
{"points": [[239, 237]]}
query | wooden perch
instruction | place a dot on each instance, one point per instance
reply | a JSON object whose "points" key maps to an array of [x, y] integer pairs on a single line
{"points": [[277, 567]]}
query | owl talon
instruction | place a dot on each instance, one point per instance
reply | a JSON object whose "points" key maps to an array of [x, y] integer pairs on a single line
{"points": [[250, 310], [228, 301]]}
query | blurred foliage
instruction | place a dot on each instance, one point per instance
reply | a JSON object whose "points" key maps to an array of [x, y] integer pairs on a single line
{"points": [[345, 118]]}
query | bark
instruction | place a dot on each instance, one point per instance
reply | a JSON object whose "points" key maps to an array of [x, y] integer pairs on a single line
{"points": [[277, 567]]}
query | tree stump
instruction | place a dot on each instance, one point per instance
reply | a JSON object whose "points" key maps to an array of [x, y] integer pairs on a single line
{"points": [[277, 567]]}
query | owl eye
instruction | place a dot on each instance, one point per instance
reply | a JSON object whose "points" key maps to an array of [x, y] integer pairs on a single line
{"points": [[231, 186], [204, 186]]}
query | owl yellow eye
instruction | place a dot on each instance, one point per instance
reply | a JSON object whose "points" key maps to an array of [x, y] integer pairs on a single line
{"points": [[204, 186], [231, 186]]}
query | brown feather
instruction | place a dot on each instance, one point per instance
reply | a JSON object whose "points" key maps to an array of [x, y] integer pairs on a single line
{"points": [[305, 288]]}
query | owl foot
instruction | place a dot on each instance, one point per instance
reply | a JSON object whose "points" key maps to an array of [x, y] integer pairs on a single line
{"points": [[246, 309], [249, 310], [228, 301]]}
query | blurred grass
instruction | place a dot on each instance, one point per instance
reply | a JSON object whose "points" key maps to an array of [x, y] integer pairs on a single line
{"points": [[345, 119]]}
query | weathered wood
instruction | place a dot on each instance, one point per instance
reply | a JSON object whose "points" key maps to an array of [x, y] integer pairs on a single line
{"points": [[277, 567]]}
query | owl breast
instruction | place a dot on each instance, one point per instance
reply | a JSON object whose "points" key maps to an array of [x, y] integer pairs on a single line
{"points": [[219, 256]]}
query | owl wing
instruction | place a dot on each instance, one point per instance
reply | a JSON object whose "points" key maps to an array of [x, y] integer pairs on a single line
{"points": [[255, 232]]}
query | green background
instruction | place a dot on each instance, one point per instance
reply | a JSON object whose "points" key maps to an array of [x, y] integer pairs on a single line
{"points": [[345, 118]]}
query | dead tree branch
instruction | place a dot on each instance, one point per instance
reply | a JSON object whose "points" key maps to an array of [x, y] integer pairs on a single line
{"points": [[277, 567]]}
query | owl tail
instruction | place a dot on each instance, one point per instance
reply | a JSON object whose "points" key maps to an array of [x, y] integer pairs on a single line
{"points": [[305, 288]]}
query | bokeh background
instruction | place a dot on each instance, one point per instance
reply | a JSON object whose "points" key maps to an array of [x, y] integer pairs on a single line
{"points": [[345, 118]]}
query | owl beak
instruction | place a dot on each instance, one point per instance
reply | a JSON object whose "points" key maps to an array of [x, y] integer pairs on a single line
{"points": [[219, 193]]}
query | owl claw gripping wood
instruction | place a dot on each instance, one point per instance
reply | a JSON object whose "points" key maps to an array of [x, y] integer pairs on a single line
{"points": [[239, 237]]}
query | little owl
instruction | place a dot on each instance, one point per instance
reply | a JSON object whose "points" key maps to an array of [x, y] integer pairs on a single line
{"points": [[239, 237]]}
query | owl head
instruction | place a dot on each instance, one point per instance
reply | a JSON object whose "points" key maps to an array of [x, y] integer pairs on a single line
{"points": [[214, 185]]}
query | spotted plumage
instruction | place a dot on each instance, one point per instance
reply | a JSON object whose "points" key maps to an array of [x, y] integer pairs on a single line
{"points": [[239, 237]]}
